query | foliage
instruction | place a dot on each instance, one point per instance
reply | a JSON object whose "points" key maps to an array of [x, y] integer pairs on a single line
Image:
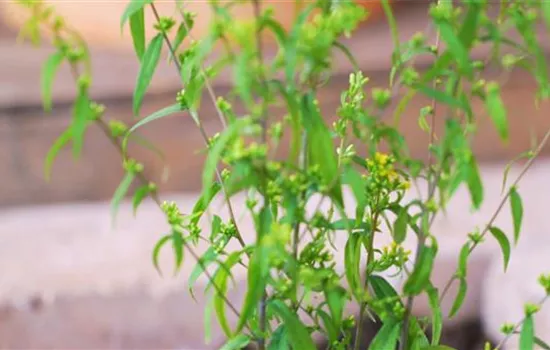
{"points": [[289, 262]]}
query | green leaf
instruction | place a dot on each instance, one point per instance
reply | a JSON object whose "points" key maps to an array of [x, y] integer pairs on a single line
{"points": [[258, 272], [455, 46], [352, 255], [279, 339], [330, 327], [147, 69], [137, 27], [209, 257], [204, 201], [81, 115], [237, 343], [141, 193], [474, 182], [291, 45], [527, 334], [400, 226], [216, 151], [180, 36], [387, 336], [220, 280], [298, 335], [496, 110], [353, 178], [468, 31], [166, 111], [463, 259], [242, 78], [503, 242], [321, 148], [121, 192], [460, 296], [517, 212], [441, 96], [420, 276], [545, 7], [438, 347], [132, 7], [47, 76], [336, 300], [156, 251], [56, 147], [437, 316], [392, 23], [208, 320], [177, 245]]}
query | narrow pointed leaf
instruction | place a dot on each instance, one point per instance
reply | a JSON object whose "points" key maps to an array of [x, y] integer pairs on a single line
{"points": [[437, 315], [132, 7], [400, 226], [139, 195], [156, 251], [177, 245], [504, 244], [298, 335], [121, 192], [56, 147], [147, 69], [237, 343], [81, 115], [387, 336], [420, 277], [47, 77], [496, 110], [157, 115], [460, 296], [137, 28], [517, 212]]}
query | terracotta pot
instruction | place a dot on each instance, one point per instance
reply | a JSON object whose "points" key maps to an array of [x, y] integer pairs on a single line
{"points": [[99, 22]]}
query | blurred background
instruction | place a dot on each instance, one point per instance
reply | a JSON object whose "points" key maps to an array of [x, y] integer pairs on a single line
{"points": [[68, 278]]}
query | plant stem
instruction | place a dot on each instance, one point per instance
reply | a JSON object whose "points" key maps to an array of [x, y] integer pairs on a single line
{"points": [[201, 127]]}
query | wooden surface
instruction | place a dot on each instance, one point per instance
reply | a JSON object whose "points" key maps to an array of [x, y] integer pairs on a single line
{"points": [[26, 132]]}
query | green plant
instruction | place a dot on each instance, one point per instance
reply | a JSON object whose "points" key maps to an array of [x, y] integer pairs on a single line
{"points": [[289, 260]]}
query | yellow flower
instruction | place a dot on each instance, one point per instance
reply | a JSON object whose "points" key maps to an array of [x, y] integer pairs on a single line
{"points": [[381, 158]]}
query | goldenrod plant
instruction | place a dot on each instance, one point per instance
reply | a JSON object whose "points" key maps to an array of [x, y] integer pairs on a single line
{"points": [[288, 262]]}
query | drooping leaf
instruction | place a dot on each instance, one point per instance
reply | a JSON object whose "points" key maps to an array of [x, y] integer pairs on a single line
{"points": [[156, 251], [462, 269], [387, 336], [81, 114], [132, 7], [336, 301], [469, 28], [216, 151], [258, 271], [56, 147], [400, 226], [460, 296], [279, 339], [121, 192], [441, 96], [527, 334], [204, 201], [177, 245], [147, 69], [354, 180], [474, 182], [237, 343], [220, 281], [298, 335], [455, 46], [208, 258], [496, 110], [517, 212], [329, 324], [503, 242], [437, 316], [351, 263], [321, 148], [47, 77], [242, 77], [139, 195], [420, 276], [137, 28]]}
